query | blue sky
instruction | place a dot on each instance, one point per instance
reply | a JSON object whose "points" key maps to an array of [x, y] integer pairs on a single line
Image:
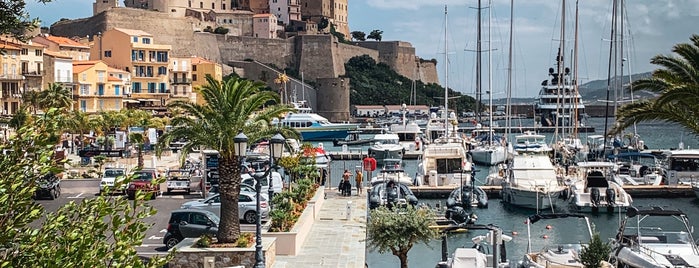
{"points": [[652, 27]]}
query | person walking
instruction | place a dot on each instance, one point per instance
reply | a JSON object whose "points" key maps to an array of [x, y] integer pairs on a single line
{"points": [[358, 179], [346, 185]]}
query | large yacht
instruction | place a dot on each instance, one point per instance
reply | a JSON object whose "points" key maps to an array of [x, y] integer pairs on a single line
{"points": [[315, 127], [559, 100]]}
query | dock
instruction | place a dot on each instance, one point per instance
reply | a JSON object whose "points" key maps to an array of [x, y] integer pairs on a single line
{"points": [[354, 154], [663, 191]]}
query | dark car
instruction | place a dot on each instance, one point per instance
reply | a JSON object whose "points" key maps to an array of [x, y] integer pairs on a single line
{"points": [[189, 223], [146, 181], [48, 186]]}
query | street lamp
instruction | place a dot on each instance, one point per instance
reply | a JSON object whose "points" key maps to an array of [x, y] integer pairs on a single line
{"points": [[275, 152]]}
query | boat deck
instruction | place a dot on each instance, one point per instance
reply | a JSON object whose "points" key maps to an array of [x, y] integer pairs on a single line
{"points": [[664, 191]]}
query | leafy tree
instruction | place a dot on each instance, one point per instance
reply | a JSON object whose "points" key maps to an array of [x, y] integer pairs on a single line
{"points": [[375, 34], [676, 83], [221, 30], [95, 232], [593, 254], [232, 106], [56, 96], [31, 98], [358, 35], [19, 119], [14, 19], [397, 230], [78, 122], [340, 36], [324, 22]]}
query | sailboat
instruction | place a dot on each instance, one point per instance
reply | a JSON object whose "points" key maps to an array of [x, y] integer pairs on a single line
{"points": [[487, 148]]}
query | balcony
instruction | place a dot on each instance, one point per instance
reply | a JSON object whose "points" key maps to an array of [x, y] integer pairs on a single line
{"points": [[32, 73], [180, 81]]}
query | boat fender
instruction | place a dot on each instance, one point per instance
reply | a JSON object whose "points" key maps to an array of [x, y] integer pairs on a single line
{"points": [[595, 196], [611, 196], [466, 199]]}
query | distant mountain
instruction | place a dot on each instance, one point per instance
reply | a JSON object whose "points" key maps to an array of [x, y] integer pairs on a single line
{"points": [[595, 92]]}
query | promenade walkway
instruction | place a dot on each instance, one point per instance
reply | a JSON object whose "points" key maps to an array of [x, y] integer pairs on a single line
{"points": [[334, 240]]}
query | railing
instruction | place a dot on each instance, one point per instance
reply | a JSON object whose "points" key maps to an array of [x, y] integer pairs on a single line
{"points": [[181, 81]]}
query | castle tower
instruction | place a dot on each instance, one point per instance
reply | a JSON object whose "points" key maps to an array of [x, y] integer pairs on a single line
{"points": [[101, 5]]}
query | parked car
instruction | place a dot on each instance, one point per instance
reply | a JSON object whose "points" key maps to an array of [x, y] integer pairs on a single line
{"points": [[111, 177], [189, 223], [246, 206], [244, 188], [144, 180], [48, 186], [178, 179], [277, 183]]}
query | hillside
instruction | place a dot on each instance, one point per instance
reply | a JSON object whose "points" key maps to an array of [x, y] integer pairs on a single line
{"points": [[374, 83]]}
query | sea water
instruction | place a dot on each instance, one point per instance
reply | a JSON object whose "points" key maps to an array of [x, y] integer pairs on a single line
{"points": [[656, 135]]}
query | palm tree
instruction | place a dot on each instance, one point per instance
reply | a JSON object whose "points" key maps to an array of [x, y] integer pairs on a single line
{"points": [[32, 98], [79, 122], [677, 83], [56, 96], [232, 106]]}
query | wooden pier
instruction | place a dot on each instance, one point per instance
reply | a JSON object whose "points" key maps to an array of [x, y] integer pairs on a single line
{"points": [[663, 191]]}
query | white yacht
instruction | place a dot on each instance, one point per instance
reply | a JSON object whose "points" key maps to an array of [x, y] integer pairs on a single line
{"points": [[409, 135], [386, 146], [314, 127], [392, 170], [445, 162], [530, 142], [594, 189], [682, 166], [487, 148], [559, 104], [533, 182]]}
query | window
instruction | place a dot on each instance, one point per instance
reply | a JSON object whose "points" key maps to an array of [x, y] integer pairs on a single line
{"points": [[117, 89], [163, 88], [100, 89], [201, 4], [162, 56], [38, 52], [136, 87], [83, 105], [117, 104], [151, 87], [101, 104], [107, 53], [199, 219], [194, 68], [84, 77], [135, 39], [84, 89], [194, 77], [162, 70], [213, 6], [145, 40], [223, 6], [24, 51]]}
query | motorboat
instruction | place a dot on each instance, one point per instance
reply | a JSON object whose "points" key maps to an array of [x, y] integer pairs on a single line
{"points": [[409, 135], [563, 254], [481, 254], [468, 196], [533, 182], [682, 166], [638, 168], [314, 127], [386, 146], [391, 194], [487, 148], [593, 190], [352, 139], [445, 162], [530, 142], [392, 171], [653, 238]]}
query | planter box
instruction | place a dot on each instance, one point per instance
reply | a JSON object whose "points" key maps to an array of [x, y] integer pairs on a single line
{"points": [[188, 257], [289, 243]]}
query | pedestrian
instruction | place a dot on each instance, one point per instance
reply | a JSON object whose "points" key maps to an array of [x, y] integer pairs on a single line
{"points": [[358, 179], [346, 186]]}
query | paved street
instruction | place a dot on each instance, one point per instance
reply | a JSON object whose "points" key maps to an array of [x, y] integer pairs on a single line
{"points": [[78, 190]]}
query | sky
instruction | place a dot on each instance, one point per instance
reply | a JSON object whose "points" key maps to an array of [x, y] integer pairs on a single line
{"points": [[651, 27]]}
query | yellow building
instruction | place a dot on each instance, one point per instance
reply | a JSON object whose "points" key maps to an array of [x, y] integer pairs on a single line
{"points": [[200, 68], [31, 57], [136, 52], [95, 89], [67, 46], [181, 79], [10, 77]]}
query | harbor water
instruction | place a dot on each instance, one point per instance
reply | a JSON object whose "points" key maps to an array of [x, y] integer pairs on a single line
{"points": [[511, 220]]}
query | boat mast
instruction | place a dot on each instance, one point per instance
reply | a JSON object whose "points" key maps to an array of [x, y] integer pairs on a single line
{"points": [[478, 64], [561, 82], [508, 122], [490, 76], [609, 74], [446, 75], [575, 92]]}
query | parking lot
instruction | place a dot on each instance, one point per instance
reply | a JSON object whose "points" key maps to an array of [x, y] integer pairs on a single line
{"points": [[78, 190]]}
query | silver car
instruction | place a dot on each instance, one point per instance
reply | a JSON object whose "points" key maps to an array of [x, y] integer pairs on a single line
{"points": [[246, 206]]}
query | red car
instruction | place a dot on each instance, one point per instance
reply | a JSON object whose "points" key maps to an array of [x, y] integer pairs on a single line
{"points": [[146, 181]]}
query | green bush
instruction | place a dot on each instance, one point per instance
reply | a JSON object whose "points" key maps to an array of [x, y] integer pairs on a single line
{"points": [[597, 251], [221, 30], [204, 241]]}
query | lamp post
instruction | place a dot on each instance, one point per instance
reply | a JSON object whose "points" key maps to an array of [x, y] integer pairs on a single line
{"points": [[276, 147], [275, 152]]}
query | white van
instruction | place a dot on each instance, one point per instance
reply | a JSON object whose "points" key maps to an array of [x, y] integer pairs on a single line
{"points": [[277, 183], [111, 177]]}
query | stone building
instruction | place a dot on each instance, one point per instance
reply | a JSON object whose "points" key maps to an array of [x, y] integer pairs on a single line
{"points": [[264, 25], [335, 11]]}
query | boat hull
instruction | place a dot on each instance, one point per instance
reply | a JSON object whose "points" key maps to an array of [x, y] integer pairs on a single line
{"points": [[532, 199], [312, 134], [489, 156]]}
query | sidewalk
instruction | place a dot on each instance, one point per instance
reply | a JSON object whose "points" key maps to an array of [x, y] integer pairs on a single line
{"points": [[334, 241]]}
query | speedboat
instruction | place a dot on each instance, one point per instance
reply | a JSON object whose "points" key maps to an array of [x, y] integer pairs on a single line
{"points": [[480, 254], [391, 194], [409, 135], [593, 190], [386, 146], [313, 126], [487, 148], [638, 168], [468, 196], [655, 238], [392, 171], [352, 139], [563, 254], [533, 182], [530, 142]]}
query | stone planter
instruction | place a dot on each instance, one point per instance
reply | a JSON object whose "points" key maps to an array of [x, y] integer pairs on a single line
{"points": [[188, 257], [289, 243]]}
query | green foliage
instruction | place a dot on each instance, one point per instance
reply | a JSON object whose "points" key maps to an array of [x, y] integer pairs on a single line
{"points": [[376, 35], [96, 232], [358, 35], [204, 241], [677, 87], [221, 30], [593, 254], [56, 96], [397, 230], [324, 22], [289, 205], [374, 83], [208, 29], [244, 240], [340, 36], [14, 19]]}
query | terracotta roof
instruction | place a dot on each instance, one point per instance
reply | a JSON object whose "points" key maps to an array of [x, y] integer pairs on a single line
{"points": [[81, 66], [263, 15], [133, 32], [10, 46], [112, 78], [115, 70], [57, 54], [200, 60], [64, 41]]}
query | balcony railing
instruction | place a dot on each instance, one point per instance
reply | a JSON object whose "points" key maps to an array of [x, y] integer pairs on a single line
{"points": [[32, 73], [176, 81]]}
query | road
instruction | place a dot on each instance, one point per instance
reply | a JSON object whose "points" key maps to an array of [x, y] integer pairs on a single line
{"points": [[78, 190]]}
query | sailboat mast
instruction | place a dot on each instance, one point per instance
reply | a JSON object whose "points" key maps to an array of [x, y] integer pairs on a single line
{"points": [[478, 64], [446, 75], [490, 76], [508, 113], [609, 74], [575, 92], [560, 66]]}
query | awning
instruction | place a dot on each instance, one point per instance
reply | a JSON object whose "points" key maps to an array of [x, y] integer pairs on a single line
{"points": [[149, 100], [130, 101]]}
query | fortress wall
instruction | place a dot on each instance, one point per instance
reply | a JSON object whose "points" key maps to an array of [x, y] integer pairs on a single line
{"points": [[344, 52], [427, 72], [278, 52], [314, 57], [333, 97]]}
